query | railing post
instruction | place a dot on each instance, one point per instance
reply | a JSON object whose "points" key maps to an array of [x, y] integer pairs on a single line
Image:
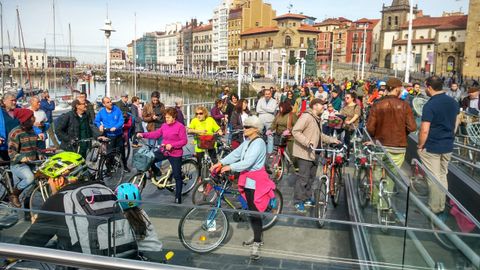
{"points": [[188, 114]]}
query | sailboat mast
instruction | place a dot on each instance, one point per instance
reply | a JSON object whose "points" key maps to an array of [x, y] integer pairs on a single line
{"points": [[54, 60], [24, 50], [20, 52], [10, 62], [135, 57], [45, 65], [3, 58], [70, 55]]}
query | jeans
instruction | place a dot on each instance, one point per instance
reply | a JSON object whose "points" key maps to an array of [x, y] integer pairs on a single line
{"points": [[22, 175], [307, 171], [176, 163], [117, 143], [437, 164]]}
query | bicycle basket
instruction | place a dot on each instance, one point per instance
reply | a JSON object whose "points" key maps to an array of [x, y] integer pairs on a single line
{"points": [[279, 140], [418, 103], [473, 132], [143, 159], [335, 122], [206, 142]]}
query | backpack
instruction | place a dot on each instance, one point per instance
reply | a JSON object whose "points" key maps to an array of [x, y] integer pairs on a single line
{"points": [[108, 235], [143, 158]]}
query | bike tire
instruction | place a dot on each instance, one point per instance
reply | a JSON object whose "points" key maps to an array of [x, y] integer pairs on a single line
{"points": [[128, 148], [203, 192], [363, 186], [192, 230], [37, 200], [140, 179], [276, 164], [383, 213], [3, 189], [337, 186], [111, 170], [92, 158], [321, 204], [189, 175], [269, 220]]}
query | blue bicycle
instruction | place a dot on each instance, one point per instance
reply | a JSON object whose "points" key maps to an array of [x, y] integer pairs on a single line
{"points": [[202, 230]]}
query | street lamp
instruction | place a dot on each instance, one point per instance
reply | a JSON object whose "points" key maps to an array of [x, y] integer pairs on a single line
{"points": [[107, 28], [331, 60], [365, 26], [303, 61], [240, 71], [297, 64], [409, 44], [283, 53]]}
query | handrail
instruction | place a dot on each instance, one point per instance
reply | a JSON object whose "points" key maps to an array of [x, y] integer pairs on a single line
{"points": [[80, 260]]}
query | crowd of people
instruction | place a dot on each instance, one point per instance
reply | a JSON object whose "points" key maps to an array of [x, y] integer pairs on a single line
{"points": [[312, 115]]}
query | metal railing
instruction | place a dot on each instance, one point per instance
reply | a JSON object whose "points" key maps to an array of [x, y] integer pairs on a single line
{"points": [[79, 260]]}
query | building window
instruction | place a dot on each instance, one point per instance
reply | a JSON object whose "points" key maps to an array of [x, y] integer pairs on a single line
{"points": [[261, 56], [396, 20], [478, 27], [257, 24], [301, 41], [294, 24], [339, 35], [256, 56], [389, 21], [429, 46], [288, 41]]}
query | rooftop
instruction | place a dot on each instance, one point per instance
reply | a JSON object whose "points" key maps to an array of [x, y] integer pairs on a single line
{"points": [[308, 28], [445, 23], [291, 16], [28, 50], [260, 30], [201, 28]]}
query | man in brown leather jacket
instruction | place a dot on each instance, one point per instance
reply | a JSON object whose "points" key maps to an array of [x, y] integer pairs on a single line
{"points": [[389, 122]]}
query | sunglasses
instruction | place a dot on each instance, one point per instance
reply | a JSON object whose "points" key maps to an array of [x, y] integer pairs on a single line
{"points": [[199, 113], [247, 127]]}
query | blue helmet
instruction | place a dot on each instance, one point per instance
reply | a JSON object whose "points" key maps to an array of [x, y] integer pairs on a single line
{"points": [[130, 192]]}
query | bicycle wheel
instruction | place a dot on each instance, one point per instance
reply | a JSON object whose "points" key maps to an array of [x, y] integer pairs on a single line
{"points": [[189, 175], [384, 210], [37, 199], [321, 203], [204, 192], [203, 230], [337, 185], [269, 220], [276, 164], [363, 186], [3, 188], [140, 179], [127, 148], [110, 170], [419, 185]]}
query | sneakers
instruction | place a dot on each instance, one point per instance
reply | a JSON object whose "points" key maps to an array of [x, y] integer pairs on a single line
{"points": [[255, 250], [309, 203], [126, 169], [300, 207], [250, 242]]}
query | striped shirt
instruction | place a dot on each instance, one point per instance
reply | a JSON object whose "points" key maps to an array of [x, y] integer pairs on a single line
{"points": [[22, 144]]}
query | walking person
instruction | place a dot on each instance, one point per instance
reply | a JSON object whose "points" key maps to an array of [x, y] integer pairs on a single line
{"points": [[352, 112], [307, 133], [389, 122], [136, 109], [254, 183], [153, 113], [436, 138], [174, 137], [266, 108], [179, 107]]}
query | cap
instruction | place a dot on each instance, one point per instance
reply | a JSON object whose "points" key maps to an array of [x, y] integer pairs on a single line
{"points": [[393, 83], [124, 94]]}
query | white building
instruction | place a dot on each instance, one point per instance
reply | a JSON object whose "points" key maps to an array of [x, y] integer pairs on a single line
{"points": [[220, 34], [167, 47], [36, 58]]}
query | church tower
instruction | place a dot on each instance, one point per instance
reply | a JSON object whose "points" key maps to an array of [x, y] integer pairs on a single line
{"points": [[393, 17]]}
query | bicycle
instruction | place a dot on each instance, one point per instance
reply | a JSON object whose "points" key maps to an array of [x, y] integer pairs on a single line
{"points": [[207, 228], [365, 164], [418, 180], [107, 165], [279, 160], [326, 186], [166, 181]]}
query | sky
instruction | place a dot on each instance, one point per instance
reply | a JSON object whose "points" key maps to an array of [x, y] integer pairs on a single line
{"points": [[86, 17]]}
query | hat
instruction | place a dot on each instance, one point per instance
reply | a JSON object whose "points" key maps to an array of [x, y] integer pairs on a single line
{"points": [[22, 114], [254, 121], [124, 94], [393, 83], [472, 90]]}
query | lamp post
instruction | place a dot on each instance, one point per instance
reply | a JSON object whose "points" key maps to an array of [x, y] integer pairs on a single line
{"points": [[302, 76], [331, 58], [240, 71], [365, 26], [409, 44], [107, 28], [283, 53], [297, 64]]}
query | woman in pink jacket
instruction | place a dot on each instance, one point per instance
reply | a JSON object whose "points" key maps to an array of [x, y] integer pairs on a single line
{"points": [[174, 137]]}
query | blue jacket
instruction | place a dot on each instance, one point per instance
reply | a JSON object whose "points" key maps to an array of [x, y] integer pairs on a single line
{"points": [[48, 108], [110, 120]]}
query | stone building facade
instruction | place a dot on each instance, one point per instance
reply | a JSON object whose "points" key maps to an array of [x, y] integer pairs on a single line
{"points": [[471, 60]]}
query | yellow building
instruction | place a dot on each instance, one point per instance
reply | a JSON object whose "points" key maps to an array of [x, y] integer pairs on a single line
{"points": [[471, 63], [246, 14], [262, 46]]}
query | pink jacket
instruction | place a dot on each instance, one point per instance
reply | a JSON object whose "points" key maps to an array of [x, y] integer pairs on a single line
{"points": [[264, 187], [174, 134]]}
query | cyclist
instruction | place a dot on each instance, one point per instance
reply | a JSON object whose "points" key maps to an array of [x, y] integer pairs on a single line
{"points": [[307, 133], [73, 125], [203, 124], [254, 183], [174, 138], [283, 123], [7, 123], [76, 231], [149, 246], [22, 147]]}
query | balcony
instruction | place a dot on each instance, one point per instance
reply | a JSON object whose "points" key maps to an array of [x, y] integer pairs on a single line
{"points": [[256, 45]]}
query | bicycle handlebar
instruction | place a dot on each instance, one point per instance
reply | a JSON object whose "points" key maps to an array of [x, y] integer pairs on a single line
{"points": [[339, 150]]}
